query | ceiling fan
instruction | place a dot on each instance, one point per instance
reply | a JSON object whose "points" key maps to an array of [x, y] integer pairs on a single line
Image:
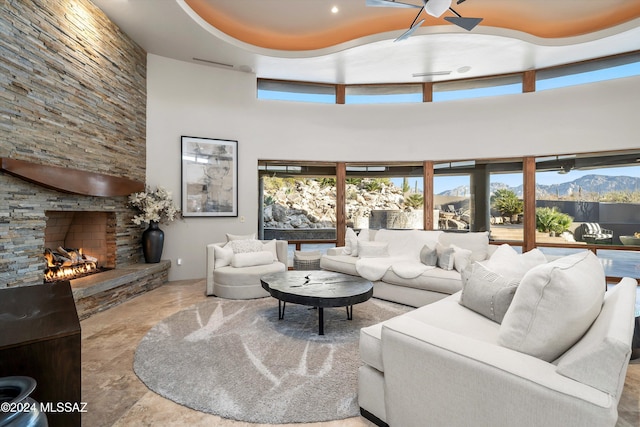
{"points": [[432, 7]]}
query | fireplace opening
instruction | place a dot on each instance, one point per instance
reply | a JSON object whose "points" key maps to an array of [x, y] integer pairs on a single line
{"points": [[78, 243]]}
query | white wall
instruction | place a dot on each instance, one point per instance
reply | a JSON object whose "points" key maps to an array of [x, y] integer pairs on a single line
{"points": [[198, 100]]}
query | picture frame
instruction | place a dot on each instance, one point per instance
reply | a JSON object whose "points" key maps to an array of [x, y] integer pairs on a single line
{"points": [[209, 177]]}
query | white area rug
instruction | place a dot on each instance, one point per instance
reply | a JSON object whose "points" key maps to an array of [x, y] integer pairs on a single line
{"points": [[237, 360]]}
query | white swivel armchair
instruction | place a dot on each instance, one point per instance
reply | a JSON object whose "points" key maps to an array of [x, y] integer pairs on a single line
{"points": [[237, 275]]}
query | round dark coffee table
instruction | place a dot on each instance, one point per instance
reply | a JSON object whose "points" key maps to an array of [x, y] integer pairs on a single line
{"points": [[318, 289]]}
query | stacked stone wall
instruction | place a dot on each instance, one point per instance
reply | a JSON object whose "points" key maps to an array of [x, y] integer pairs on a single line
{"points": [[72, 94]]}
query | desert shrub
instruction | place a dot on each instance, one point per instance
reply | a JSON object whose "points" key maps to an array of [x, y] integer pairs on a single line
{"points": [[550, 219], [506, 202], [414, 201]]}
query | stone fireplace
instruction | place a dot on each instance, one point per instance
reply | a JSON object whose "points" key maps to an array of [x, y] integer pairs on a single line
{"points": [[100, 224]]}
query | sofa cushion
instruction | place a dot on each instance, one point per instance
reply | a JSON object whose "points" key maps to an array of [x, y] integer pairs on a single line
{"points": [[554, 305], [247, 276], [477, 242], [373, 249], [249, 259], [449, 315], [487, 292], [435, 279], [340, 263], [371, 346], [407, 243], [446, 313]]}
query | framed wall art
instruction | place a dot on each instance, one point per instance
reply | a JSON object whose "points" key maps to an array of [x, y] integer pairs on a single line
{"points": [[209, 177]]}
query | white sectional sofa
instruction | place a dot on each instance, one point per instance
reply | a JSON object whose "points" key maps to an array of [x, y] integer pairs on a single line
{"points": [[391, 260], [559, 357]]}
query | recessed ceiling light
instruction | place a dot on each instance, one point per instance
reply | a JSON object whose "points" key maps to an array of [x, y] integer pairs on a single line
{"points": [[464, 69], [335, 9]]}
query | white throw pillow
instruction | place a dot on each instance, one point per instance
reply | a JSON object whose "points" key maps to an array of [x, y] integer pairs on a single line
{"points": [[231, 237], [350, 243], [446, 257], [250, 259], [363, 235], [476, 242], [243, 246], [222, 256], [461, 258], [373, 249], [508, 263], [554, 305], [270, 246]]}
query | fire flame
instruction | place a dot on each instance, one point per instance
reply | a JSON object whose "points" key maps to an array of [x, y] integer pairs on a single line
{"points": [[75, 266], [53, 273]]}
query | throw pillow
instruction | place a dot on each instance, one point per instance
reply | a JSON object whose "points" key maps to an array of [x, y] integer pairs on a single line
{"points": [[350, 243], [231, 237], [486, 292], [270, 246], [554, 305], [477, 242], [429, 256], [244, 246], [222, 256], [250, 259], [446, 257], [363, 235], [461, 258], [373, 249], [509, 263]]}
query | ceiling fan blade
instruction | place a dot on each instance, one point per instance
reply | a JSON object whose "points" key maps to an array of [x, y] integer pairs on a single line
{"points": [[391, 3], [410, 31], [466, 23]]}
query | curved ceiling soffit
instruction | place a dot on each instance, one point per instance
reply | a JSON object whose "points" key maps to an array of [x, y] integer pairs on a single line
{"points": [[382, 27], [434, 30]]}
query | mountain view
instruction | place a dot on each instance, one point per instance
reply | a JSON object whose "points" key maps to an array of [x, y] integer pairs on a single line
{"points": [[598, 184]]}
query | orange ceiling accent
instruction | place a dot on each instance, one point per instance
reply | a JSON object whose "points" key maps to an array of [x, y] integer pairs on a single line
{"points": [[550, 20]]}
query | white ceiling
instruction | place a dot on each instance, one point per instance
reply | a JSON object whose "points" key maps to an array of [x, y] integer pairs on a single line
{"points": [[172, 29]]}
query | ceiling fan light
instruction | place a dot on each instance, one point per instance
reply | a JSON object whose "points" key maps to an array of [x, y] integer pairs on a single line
{"points": [[437, 7]]}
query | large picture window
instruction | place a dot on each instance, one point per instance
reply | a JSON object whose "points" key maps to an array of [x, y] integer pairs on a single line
{"points": [[580, 202]]}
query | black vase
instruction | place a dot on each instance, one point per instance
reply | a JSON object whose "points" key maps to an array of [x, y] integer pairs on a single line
{"points": [[22, 410], [152, 243]]}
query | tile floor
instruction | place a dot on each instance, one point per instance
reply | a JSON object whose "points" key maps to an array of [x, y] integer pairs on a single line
{"points": [[115, 396]]}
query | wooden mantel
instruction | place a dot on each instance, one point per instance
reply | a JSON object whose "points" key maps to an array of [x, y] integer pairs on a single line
{"points": [[69, 180]]}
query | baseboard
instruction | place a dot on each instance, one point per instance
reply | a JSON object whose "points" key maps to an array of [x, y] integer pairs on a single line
{"points": [[377, 421]]}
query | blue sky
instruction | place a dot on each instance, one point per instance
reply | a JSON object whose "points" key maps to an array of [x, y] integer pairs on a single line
{"points": [[441, 184]]}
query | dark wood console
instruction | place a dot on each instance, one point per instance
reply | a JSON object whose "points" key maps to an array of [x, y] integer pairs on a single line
{"points": [[40, 338]]}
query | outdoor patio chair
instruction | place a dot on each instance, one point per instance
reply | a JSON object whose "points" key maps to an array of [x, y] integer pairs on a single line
{"points": [[593, 233]]}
